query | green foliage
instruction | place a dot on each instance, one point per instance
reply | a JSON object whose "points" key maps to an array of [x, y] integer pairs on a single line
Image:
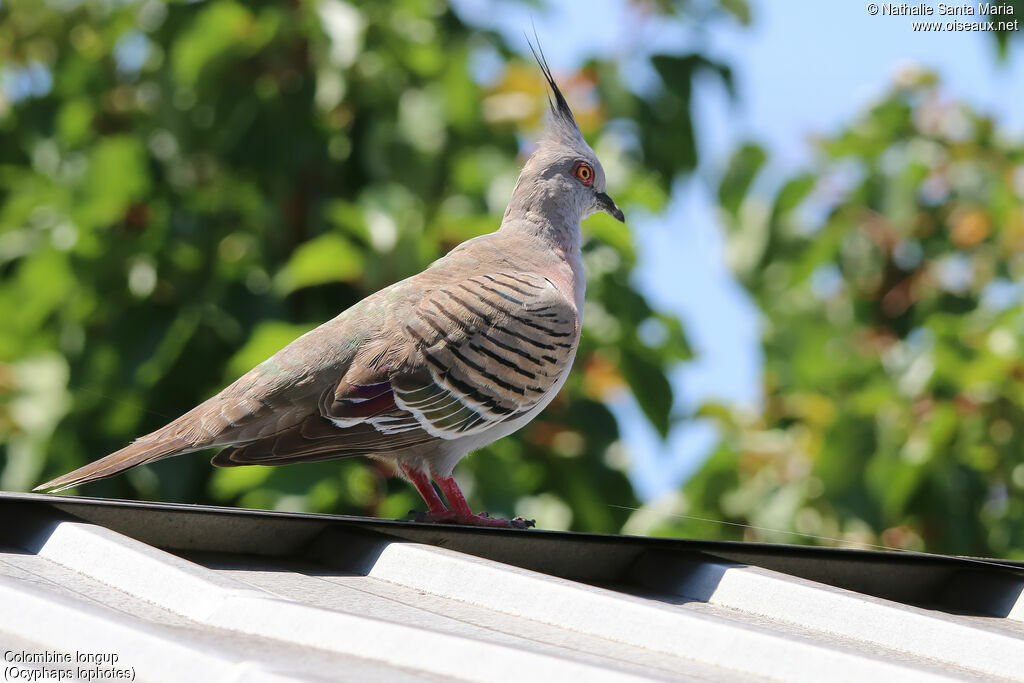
{"points": [[185, 187], [893, 386], [1003, 35], [746, 163]]}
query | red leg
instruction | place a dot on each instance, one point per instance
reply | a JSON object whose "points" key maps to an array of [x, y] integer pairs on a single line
{"points": [[456, 500], [462, 514], [422, 483]]}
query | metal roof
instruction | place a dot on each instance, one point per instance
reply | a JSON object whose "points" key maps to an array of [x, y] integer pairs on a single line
{"points": [[180, 592]]}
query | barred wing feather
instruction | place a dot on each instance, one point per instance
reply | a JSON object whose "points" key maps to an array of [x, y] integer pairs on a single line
{"points": [[493, 347]]}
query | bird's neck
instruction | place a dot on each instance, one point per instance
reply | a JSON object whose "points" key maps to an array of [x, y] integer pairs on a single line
{"points": [[549, 226], [562, 237], [537, 212], [555, 244]]}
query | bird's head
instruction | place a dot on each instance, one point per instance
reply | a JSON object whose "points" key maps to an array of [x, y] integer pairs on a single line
{"points": [[563, 176]]}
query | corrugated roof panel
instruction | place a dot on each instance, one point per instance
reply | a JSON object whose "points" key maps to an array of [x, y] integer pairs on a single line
{"points": [[214, 594]]}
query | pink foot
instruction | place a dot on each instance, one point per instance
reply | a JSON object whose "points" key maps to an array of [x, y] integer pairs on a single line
{"points": [[459, 513], [482, 519]]}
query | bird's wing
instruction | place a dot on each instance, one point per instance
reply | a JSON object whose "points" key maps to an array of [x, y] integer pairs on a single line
{"points": [[477, 353], [491, 348]]}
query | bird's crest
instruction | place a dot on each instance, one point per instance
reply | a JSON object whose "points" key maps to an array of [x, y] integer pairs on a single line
{"points": [[561, 124]]}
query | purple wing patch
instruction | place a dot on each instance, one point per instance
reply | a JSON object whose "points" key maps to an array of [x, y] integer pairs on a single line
{"points": [[361, 401]]}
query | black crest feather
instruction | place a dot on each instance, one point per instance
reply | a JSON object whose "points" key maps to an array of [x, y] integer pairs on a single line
{"points": [[562, 115]]}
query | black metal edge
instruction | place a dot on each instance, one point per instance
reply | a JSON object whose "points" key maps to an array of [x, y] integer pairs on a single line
{"points": [[446, 535]]}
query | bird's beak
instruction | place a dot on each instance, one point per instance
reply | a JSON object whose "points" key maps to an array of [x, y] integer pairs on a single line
{"points": [[607, 205]]}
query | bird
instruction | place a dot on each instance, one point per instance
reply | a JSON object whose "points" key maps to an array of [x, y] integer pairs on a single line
{"points": [[430, 368]]}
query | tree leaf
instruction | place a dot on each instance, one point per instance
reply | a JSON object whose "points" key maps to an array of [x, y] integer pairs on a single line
{"points": [[328, 258]]}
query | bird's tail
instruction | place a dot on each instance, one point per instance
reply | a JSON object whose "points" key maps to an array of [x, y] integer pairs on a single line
{"points": [[145, 450]]}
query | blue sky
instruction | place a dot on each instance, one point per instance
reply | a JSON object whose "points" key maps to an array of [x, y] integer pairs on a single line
{"points": [[802, 68]]}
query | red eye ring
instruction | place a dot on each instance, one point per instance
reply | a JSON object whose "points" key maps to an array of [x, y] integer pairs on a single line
{"points": [[583, 173]]}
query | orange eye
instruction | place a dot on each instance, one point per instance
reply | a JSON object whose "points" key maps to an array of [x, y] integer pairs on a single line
{"points": [[583, 173]]}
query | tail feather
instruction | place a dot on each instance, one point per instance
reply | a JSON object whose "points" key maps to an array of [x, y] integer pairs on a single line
{"points": [[138, 453]]}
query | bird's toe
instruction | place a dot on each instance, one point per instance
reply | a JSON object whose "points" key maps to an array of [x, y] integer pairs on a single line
{"points": [[522, 523]]}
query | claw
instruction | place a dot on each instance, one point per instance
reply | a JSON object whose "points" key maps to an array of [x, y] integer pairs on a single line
{"points": [[523, 523]]}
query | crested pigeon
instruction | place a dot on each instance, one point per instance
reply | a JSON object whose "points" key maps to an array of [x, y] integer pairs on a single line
{"points": [[429, 369]]}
